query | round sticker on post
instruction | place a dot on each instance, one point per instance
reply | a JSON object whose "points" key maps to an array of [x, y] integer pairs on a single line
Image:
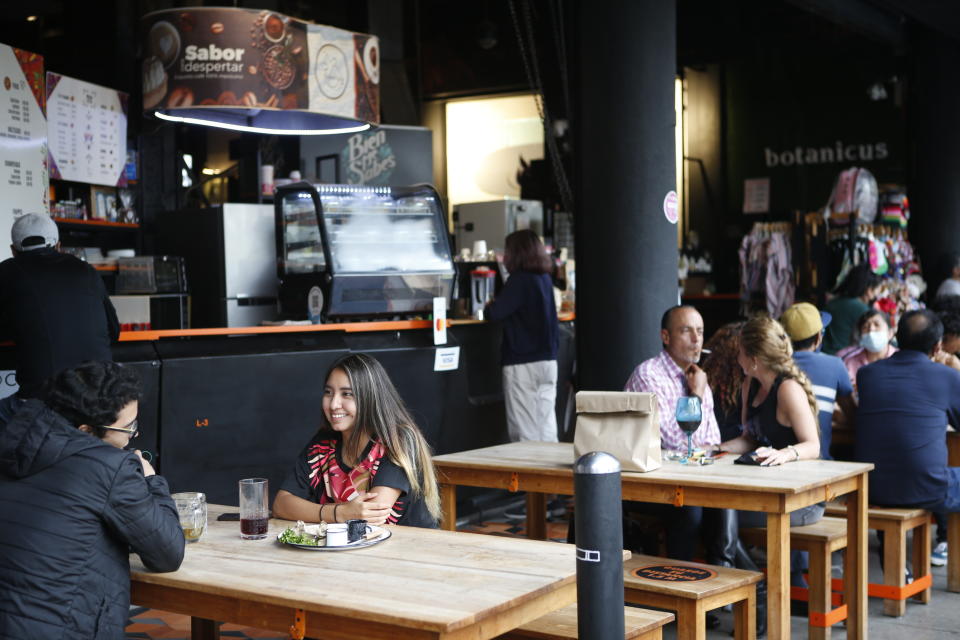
{"points": [[670, 207]]}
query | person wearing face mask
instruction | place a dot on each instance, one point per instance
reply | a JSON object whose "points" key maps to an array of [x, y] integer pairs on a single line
{"points": [[875, 333], [854, 296]]}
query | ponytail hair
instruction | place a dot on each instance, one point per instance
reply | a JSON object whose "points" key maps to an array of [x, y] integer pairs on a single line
{"points": [[764, 338]]}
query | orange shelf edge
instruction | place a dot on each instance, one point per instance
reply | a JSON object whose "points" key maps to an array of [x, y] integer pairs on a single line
{"points": [[348, 327], [98, 223]]}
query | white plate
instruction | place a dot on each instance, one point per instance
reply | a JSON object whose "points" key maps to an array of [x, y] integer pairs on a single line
{"points": [[383, 532]]}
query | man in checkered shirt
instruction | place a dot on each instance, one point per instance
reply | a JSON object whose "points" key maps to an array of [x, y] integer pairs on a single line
{"points": [[669, 375], [674, 373]]}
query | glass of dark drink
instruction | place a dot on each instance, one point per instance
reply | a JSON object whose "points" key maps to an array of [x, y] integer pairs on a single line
{"points": [[254, 512], [689, 415]]}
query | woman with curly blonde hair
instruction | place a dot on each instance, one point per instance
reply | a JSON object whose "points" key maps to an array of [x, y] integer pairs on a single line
{"points": [[779, 410]]}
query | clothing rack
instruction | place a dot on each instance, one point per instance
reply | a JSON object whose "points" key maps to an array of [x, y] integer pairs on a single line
{"points": [[767, 268]]}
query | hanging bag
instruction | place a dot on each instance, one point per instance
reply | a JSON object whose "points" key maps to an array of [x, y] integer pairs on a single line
{"points": [[624, 424]]}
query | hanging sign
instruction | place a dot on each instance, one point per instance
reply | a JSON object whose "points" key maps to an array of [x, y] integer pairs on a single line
{"points": [[244, 59], [88, 131], [23, 138]]}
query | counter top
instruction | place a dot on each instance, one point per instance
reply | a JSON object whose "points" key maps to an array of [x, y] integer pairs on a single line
{"points": [[348, 327]]}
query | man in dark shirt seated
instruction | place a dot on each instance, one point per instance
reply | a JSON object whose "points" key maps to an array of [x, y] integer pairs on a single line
{"points": [[906, 403]]}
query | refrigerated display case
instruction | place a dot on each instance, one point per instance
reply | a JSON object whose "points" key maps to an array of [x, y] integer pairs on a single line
{"points": [[372, 251]]}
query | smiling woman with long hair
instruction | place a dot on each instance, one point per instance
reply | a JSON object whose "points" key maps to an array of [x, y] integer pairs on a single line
{"points": [[367, 461]]}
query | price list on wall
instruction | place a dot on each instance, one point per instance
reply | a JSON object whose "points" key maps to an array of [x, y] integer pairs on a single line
{"points": [[88, 131], [23, 138]]}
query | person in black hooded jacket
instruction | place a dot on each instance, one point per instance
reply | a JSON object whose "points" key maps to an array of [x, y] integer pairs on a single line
{"points": [[74, 504]]}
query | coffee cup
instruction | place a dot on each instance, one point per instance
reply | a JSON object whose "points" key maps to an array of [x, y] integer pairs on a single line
{"points": [[337, 535], [479, 250], [356, 530]]}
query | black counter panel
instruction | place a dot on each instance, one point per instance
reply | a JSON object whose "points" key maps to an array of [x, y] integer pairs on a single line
{"points": [[238, 416]]}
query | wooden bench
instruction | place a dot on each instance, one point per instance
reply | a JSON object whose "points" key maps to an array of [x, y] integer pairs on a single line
{"points": [[712, 587], [639, 624], [895, 523], [820, 540]]}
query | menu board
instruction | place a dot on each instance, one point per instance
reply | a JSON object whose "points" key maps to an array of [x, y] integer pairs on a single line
{"points": [[23, 139], [88, 131]]}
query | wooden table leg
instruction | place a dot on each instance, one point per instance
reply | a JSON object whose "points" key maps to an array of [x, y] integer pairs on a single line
{"points": [[203, 629], [778, 575], [921, 558], [536, 516], [691, 621], [894, 569], [953, 552], [745, 617], [448, 503], [820, 589], [855, 570]]}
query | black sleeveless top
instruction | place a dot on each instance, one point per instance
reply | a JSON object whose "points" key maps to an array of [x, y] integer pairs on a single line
{"points": [[762, 420]]}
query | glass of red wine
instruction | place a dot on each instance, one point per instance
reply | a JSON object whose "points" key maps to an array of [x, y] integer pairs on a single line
{"points": [[689, 416], [254, 510]]}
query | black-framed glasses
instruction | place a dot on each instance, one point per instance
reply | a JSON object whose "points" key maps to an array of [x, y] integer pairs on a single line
{"points": [[131, 429]]}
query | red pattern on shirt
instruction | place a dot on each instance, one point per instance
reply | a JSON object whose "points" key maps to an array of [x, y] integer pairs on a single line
{"points": [[340, 485]]}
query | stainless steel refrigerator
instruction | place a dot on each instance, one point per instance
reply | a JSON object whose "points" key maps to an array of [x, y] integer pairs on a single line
{"points": [[230, 253]]}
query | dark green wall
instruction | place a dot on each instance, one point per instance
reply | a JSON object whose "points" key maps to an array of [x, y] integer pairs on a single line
{"points": [[789, 98]]}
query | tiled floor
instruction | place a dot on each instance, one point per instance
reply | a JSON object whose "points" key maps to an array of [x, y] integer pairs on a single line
{"points": [[940, 619]]}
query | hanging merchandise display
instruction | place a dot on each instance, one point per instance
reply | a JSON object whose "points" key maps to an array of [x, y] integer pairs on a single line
{"points": [[766, 269], [890, 255], [854, 195], [894, 206]]}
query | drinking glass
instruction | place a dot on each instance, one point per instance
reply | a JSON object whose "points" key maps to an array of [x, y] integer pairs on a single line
{"points": [[689, 415], [254, 512], [192, 509]]}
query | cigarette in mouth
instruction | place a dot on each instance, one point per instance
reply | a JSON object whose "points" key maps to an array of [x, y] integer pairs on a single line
{"points": [[705, 351]]}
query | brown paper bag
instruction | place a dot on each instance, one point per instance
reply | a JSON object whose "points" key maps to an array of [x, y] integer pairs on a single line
{"points": [[624, 424]]}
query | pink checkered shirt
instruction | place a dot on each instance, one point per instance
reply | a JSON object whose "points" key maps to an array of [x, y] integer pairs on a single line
{"points": [[662, 376]]}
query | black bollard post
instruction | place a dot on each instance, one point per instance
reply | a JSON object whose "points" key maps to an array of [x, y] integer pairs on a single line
{"points": [[599, 538]]}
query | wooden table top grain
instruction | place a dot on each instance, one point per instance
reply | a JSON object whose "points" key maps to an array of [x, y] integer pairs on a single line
{"points": [[425, 583], [556, 459]]}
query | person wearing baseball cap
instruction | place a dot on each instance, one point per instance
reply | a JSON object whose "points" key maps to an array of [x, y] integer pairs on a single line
{"points": [[805, 326], [34, 231], [53, 306]]}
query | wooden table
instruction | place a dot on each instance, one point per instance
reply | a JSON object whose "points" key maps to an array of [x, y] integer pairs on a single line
{"points": [[419, 583], [543, 467]]}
